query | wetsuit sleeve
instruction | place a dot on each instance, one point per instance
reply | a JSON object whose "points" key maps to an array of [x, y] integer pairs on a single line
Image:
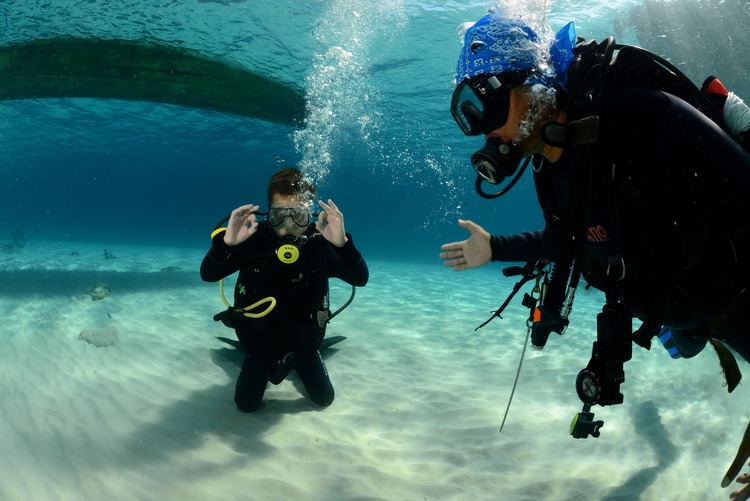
{"points": [[347, 263], [220, 261], [521, 248]]}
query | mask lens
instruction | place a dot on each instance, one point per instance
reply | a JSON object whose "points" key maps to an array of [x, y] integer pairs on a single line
{"points": [[301, 217], [480, 106], [276, 216], [467, 109]]}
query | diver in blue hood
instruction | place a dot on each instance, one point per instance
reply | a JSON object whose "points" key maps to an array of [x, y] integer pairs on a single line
{"points": [[281, 306], [642, 178]]}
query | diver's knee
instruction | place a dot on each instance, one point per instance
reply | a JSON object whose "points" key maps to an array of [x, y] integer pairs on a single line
{"points": [[247, 407], [245, 404], [323, 400]]}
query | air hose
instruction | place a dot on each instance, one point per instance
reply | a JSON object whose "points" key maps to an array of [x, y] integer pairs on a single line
{"points": [[245, 310]]}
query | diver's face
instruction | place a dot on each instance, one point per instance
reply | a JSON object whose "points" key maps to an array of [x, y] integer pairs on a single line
{"points": [[518, 112], [288, 227]]}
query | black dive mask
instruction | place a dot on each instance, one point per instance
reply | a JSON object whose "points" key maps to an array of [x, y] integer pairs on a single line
{"points": [[496, 161], [480, 104], [289, 248]]}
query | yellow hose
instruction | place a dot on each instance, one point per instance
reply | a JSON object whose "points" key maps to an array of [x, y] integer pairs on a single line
{"points": [[246, 313]]}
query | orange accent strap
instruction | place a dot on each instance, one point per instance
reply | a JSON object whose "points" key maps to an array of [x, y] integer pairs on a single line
{"points": [[537, 315]]}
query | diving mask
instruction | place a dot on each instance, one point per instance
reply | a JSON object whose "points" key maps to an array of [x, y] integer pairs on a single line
{"points": [[480, 104], [276, 216]]}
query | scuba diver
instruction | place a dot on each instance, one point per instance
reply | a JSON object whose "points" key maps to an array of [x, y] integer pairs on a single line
{"points": [[281, 304], [642, 179]]}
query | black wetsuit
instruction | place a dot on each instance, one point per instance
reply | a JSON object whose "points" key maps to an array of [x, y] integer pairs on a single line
{"points": [[677, 212], [300, 290]]}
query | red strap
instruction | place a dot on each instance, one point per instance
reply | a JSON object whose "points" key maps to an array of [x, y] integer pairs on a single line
{"points": [[716, 87]]}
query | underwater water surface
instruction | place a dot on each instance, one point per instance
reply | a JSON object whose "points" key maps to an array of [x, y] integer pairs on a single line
{"points": [[379, 137]]}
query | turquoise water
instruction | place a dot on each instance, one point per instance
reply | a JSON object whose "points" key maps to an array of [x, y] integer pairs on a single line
{"points": [[385, 143], [80, 175]]}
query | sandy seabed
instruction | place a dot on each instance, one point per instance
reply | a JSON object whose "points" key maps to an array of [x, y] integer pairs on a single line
{"points": [[419, 395]]}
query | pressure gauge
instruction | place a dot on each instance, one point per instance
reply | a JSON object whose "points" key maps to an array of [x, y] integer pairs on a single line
{"points": [[588, 386]]}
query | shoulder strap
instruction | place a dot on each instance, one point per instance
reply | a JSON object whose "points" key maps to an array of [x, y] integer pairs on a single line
{"points": [[599, 67]]}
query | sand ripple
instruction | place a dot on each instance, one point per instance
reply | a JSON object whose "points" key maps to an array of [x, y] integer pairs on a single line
{"points": [[420, 396]]}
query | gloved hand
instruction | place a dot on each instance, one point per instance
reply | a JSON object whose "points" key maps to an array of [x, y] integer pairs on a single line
{"points": [[731, 108]]}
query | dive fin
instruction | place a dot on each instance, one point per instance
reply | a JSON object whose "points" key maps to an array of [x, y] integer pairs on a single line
{"points": [[231, 342], [728, 363], [327, 342], [330, 341]]}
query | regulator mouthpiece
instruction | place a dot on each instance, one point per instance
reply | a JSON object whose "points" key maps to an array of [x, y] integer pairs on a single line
{"points": [[496, 160]]}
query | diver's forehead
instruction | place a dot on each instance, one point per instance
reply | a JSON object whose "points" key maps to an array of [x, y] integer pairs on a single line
{"points": [[279, 200]]}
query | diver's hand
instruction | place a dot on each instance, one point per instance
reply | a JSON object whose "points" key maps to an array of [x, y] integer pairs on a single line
{"points": [[471, 253], [743, 453], [330, 223], [242, 223], [743, 493]]}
